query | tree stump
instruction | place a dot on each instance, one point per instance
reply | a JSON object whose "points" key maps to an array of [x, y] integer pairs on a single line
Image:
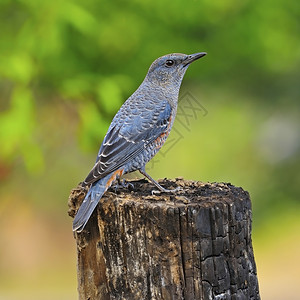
{"points": [[195, 244]]}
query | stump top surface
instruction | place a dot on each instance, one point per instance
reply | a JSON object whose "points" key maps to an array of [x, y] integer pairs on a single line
{"points": [[191, 244], [191, 193]]}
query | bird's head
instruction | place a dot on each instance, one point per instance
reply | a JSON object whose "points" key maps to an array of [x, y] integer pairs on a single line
{"points": [[168, 70]]}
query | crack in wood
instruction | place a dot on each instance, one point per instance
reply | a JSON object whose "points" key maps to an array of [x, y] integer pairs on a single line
{"points": [[192, 245]]}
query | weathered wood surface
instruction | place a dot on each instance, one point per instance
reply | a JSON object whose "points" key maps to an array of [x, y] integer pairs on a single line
{"points": [[195, 244]]}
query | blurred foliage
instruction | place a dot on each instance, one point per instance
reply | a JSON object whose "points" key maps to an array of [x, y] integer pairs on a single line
{"points": [[95, 52]]}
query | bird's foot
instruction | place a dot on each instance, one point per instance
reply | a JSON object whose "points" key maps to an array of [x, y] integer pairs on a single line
{"points": [[122, 184], [163, 190]]}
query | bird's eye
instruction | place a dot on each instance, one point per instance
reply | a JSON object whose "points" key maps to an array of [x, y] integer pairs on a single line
{"points": [[169, 63]]}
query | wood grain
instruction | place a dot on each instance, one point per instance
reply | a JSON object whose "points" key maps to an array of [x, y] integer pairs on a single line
{"points": [[195, 244]]}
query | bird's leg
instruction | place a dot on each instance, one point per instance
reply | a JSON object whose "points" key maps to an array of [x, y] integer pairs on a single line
{"points": [[161, 189]]}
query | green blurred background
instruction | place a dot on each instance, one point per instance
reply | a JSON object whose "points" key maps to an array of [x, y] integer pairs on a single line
{"points": [[67, 66]]}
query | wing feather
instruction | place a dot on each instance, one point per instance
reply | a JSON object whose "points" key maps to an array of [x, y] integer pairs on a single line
{"points": [[127, 138]]}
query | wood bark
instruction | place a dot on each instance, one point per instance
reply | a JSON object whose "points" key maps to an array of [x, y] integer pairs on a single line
{"points": [[194, 244]]}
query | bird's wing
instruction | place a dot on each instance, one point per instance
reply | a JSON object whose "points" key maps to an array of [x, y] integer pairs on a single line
{"points": [[128, 136]]}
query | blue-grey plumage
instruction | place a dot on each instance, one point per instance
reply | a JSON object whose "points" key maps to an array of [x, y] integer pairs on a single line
{"points": [[138, 130]]}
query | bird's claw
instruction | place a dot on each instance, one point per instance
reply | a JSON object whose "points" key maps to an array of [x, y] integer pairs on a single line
{"points": [[179, 188], [163, 190], [122, 184], [126, 184], [153, 192]]}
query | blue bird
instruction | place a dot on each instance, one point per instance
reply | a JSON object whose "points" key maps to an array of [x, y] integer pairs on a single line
{"points": [[138, 130]]}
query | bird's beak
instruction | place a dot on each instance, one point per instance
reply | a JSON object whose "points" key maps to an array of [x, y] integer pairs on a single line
{"points": [[192, 57]]}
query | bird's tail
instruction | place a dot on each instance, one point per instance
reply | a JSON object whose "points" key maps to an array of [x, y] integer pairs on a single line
{"points": [[89, 203]]}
